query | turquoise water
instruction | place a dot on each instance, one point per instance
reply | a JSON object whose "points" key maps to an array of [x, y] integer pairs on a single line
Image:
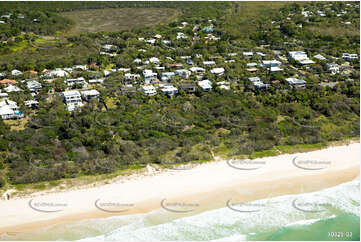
{"points": [[308, 216]]}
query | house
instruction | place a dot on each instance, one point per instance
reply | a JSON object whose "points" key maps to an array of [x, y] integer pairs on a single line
{"points": [[320, 57], [6, 82], [248, 54], [169, 90], [149, 76], [334, 68], [183, 73], [89, 94], [149, 90], [301, 57], [167, 76], [223, 85], [189, 62], [272, 65], [10, 110], [205, 85], [296, 83], [34, 86], [132, 77], [218, 71], [109, 47], [197, 70], [72, 99], [56, 73], [256, 81], [95, 81], [151, 41], [181, 35], [16, 72], [31, 103], [77, 81], [175, 65], [12, 88], [349, 57], [188, 87], [154, 60], [209, 63]]}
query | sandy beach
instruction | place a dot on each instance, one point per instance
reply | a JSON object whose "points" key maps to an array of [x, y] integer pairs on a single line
{"points": [[207, 186]]}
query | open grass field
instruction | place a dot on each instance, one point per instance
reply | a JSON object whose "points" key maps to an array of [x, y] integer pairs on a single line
{"points": [[116, 19], [240, 20]]}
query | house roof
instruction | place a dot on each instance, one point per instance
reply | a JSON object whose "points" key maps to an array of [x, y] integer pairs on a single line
{"points": [[8, 81]]}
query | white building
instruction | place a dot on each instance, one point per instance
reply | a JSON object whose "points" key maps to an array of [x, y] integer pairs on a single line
{"points": [[89, 94], [183, 73], [218, 71], [206, 85], [154, 60], [301, 57], [10, 110], [167, 76], [294, 82], [77, 81], [349, 57], [16, 72], [169, 90], [149, 76], [72, 99], [33, 85], [149, 90]]}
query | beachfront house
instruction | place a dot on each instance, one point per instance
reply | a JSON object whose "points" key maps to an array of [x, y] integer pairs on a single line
{"points": [[149, 90], [72, 99]]}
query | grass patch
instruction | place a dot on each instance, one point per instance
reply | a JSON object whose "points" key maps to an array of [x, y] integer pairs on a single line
{"points": [[116, 19], [300, 147]]}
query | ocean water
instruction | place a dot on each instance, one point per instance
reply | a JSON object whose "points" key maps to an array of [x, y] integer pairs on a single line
{"points": [[329, 214]]}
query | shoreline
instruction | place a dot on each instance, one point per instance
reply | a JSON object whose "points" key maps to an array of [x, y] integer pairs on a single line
{"points": [[214, 181]]}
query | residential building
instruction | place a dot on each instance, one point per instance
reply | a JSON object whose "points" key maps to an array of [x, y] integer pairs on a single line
{"points": [[296, 83], [10, 110], [169, 90], [34, 86], [205, 85], [149, 90], [89, 94], [72, 99], [149, 76]]}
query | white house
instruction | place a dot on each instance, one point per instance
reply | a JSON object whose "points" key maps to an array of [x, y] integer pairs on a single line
{"points": [[56, 73], [209, 63], [72, 99], [149, 90], [248, 54], [130, 76], [320, 57], [197, 70], [31, 103], [12, 88], [218, 71], [301, 57], [206, 85], [149, 76], [256, 81], [166, 76], [10, 110], [33, 85], [294, 82], [169, 90], [183, 73], [16, 72], [154, 60], [273, 65], [334, 68], [89, 94], [77, 81]]}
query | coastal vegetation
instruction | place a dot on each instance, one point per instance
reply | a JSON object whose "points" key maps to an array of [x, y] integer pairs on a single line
{"points": [[121, 131]]}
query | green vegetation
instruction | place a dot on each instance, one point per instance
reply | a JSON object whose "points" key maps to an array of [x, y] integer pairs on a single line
{"points": [[119, 132]]}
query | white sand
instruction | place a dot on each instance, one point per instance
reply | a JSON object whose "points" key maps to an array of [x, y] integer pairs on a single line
{"points": [[210, 185]]}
